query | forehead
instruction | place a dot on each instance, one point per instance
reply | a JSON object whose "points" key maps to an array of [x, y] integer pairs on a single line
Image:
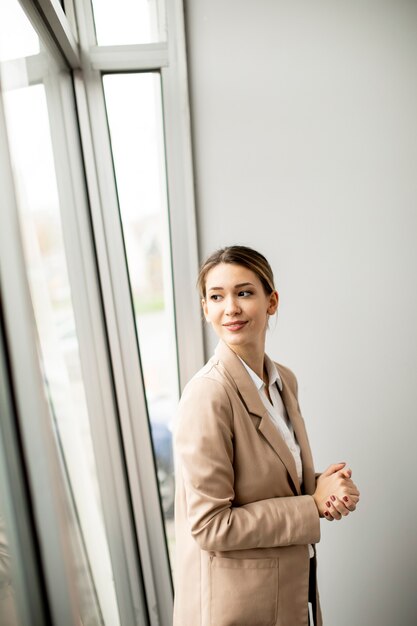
{"points": [[229, 275]]}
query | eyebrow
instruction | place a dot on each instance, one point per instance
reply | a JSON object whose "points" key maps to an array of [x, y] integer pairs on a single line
{"points": [[238, 286]]}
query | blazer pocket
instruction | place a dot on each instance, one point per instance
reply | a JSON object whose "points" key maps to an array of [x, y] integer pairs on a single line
{"points": [[243, 592]]}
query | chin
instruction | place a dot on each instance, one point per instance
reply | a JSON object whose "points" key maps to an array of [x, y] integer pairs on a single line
{"points": [[233, 341]]}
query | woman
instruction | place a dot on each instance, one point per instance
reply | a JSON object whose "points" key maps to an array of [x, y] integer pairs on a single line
{"points": [[248, 502]]}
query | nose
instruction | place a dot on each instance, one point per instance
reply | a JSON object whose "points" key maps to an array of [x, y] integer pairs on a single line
{"points": [[232, 306]]}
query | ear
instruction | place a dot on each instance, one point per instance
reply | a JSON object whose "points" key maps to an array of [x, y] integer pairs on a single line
{"points": [[273, 303], [205, 309]]}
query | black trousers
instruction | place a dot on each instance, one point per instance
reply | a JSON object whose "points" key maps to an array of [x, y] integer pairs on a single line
{"points": [[312, 590]]}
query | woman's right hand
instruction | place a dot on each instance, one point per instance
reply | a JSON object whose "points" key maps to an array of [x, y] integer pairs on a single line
{"points": [[336, 494]]}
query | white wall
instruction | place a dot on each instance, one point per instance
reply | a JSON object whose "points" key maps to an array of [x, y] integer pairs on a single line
{"points": [[305, 143]]}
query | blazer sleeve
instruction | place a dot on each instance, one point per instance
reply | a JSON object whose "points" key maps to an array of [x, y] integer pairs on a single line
{"points": [[204, 450]]}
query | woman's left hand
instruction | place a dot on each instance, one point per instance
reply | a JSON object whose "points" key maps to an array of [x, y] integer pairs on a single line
{"points": [[338, 507]]}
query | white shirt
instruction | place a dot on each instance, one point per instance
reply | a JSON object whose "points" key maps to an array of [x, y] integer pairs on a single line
{"points": [[277, 412]]}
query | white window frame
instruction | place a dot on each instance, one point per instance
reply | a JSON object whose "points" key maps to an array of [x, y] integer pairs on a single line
{"points": [[168, 58], [35, 428], [107, 310]]}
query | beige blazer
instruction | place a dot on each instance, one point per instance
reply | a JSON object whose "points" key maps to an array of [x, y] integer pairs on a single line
{"points": [[243, 522]]}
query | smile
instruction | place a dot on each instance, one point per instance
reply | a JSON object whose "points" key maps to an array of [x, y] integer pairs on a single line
{"points": [[235, 326]]}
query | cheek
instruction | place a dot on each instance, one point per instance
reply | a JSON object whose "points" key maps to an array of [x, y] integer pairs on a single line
{"points": [[263, 319], [210, 313], [260, 312]]}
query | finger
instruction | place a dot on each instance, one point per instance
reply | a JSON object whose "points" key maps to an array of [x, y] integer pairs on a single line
{"points": [[353, 494], [350, 490], [332, 469], [350, 503], [346, 496], [328, 516], [331, 509], [339, 505], [351, 500], [349, 483], [347, 473]]}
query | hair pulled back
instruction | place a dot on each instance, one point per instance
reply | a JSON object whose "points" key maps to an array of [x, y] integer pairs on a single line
{"points": [[239, 255]]}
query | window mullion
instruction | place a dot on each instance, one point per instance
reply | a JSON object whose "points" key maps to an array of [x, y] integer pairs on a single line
{"points": [[49, 13], [96, 369], [181, 198], [122, 334], [141, 57]]}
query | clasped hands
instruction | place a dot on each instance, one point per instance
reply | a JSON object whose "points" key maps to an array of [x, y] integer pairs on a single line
{"points": [[336, 494]]}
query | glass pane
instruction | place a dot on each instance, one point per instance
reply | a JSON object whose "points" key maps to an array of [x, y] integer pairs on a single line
{"points": [[10, 563], [28, 111], [134, 112], [129, 21], [18, 39], [20, 584], [8, 613]]}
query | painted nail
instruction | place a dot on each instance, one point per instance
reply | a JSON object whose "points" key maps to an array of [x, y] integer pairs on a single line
{"points": [[345, 498], [332, 498], [326, 513], [327, 503]]}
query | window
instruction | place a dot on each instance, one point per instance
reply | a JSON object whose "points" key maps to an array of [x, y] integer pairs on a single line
{"points": [[134, 110], [111, 286], [129, 22], [34, 82]]}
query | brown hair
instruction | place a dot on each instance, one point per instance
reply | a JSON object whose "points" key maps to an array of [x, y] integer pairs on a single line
{"points": [[240, 255]]}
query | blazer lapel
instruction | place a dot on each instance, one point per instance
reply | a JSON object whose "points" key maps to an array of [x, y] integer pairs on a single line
{"points": [[275, 440], [241, 381], [291, 405]]}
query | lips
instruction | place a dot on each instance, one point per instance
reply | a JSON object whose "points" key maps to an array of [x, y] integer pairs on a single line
{"points": [[235, 326]]}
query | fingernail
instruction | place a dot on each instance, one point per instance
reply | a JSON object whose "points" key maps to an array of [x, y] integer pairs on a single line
{"points": [[332, 498], [327, 503], [345, 498], [326, 513]]}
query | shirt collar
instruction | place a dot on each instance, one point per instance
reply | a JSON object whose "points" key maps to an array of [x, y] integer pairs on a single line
{"points": [[273, 375]]}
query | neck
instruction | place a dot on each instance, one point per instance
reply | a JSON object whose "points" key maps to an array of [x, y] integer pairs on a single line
{"points": [[254, 358]]}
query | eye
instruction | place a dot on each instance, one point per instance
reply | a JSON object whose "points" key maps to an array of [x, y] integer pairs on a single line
{"points": [[215, 297], [245, 293]]}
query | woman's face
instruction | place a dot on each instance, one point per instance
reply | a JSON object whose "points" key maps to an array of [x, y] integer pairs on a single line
{"points": [[237, 306]]}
